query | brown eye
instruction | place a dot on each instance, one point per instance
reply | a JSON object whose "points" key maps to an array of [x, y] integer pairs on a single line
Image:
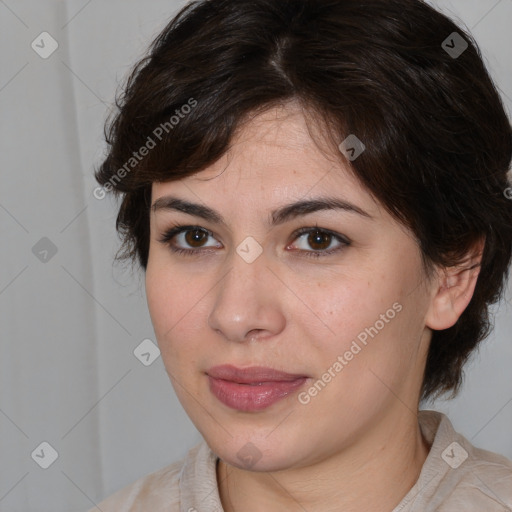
{"points": [[319, 240], [195, 237], [188, 240], [316, 242]]}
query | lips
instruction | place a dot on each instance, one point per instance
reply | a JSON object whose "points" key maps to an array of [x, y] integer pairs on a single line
{"points": [[251, 389], [252, 375]]}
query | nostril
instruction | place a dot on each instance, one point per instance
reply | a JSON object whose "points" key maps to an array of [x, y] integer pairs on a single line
{"points": [[254, 334]]}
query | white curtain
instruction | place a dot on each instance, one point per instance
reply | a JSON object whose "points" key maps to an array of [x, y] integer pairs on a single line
{"points": [[69, 319]]}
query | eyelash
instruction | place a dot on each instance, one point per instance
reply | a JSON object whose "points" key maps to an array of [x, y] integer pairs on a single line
{"points": [[177, 229]]}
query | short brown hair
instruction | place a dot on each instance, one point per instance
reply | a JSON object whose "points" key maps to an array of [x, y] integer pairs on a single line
{"points": [[438, 141]]}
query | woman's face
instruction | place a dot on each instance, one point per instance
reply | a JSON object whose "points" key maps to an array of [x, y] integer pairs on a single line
{"points": [[348, 314]]}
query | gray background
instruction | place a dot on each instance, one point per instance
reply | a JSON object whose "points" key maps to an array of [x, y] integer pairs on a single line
{"points": [[70, 323]]}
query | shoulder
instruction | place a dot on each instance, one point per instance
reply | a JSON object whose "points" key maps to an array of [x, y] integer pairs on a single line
{"points": [[485, 479], [157, 491], [463, 476]]}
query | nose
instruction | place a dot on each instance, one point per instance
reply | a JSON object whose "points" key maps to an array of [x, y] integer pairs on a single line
{"points": [[247, 305]]}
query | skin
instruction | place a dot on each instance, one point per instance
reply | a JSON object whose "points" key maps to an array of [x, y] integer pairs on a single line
{"points": [[357, 444]]}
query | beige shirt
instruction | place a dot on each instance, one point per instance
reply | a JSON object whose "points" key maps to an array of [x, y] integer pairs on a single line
{"points": [[456, 477]]}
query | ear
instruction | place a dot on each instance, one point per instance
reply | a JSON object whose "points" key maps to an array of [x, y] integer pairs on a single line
{"points": [[453, 290]]}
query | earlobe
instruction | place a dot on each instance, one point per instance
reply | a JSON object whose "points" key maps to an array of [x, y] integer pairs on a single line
{"points": [[453, 291]]}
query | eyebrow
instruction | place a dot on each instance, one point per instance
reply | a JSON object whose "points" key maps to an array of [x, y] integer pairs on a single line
{"points": [[279, 216]]}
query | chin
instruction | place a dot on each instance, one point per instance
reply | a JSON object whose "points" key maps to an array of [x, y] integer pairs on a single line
{"points": [[255, 452]]}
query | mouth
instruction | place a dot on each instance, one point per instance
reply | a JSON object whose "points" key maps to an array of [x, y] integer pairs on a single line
{"points": [[252, 389]]}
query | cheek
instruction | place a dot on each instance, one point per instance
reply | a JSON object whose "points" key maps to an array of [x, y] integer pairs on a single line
{"points": [[343, 306], [158, 294], [386, 369], [166, 305], [177, 309], [365, 329]]}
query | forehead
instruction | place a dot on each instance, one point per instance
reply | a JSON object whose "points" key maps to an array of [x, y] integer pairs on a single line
{"points": [[273, 157]]}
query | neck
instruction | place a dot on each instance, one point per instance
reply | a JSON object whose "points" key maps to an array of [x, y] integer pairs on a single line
{"points": [[374, 473]]}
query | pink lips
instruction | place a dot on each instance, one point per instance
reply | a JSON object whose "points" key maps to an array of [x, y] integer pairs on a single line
{"points": [[251, 389]]}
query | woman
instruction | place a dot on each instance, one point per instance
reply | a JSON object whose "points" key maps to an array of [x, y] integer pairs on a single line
{"points": [[316, 191]]}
